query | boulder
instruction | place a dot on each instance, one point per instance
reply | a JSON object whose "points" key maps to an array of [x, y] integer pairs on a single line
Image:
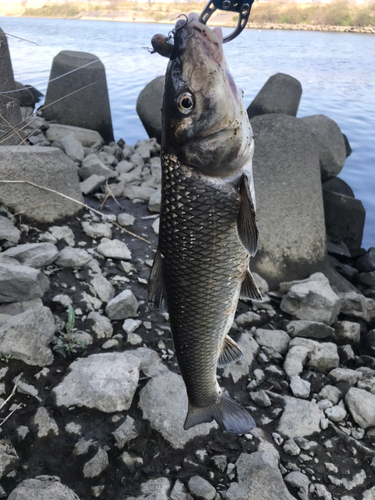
{"points": [[87, 137], [280, 94], [366, 263], [19, 283], [361, 405], [149, 107], [8, 231], [337, 185], [49, 168], [300, 418], [331, 144], [35, 255], [309, 329], [289, 199], [123, 306], [344, 219], [42, 488], [81, 97]]}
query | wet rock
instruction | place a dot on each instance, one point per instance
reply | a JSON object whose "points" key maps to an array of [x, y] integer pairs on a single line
{"points": [[73, 258], [114, 249], [105, 381], [157, 489], [300, 418], [361, 405], [293, 241], [201, 489], [149, 107], [258, 477], [36, 255], [87, 137], [103, 288], [45, 423], [48, 167], [92, 165], [18, 283], [331, 144], [8, 457], [355, 304], [309, 329], [26, 336], [123, 306], [8, 231], [280, 94], [241, 368], [277, 340], [42, 488], [312, 300], [97, 230], [125, 432], [164, 403], [96, 465], [92, 184]]}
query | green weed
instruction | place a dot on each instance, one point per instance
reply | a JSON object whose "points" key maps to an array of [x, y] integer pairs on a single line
{"points": [[66, 344]]}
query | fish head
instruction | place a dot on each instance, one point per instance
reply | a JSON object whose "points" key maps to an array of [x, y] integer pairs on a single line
{"points": [[204, 121]]}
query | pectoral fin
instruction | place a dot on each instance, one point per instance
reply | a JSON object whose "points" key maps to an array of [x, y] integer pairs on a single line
{"points": [[156, 288], [229, 353], [249, 289], [246, 221]]}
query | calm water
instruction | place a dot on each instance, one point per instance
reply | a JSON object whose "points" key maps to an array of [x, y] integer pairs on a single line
{"points": [[336, 70]]}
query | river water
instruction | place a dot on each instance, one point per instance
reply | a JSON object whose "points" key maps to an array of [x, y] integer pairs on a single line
{"points": [[336, 70]]}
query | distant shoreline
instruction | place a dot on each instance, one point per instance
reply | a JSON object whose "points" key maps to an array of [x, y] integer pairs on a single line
{"points": [[250, 25]]}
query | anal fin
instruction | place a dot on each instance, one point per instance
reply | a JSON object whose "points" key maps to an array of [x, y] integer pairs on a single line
{"points": [[249, 289], [230, 352], [156, 288]]}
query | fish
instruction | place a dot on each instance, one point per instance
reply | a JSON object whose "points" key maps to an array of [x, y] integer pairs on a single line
{"points": [[208, 228]]}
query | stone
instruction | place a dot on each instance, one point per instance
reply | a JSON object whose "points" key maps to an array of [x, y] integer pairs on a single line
{"points": [[295, 360], [312, 300], [309, 329], [356, 480], [293, 240], [49, 168], [97, 464], [369, 494], [74, 99], [105, 381], [149, 107], [357, 305], [291, 447], [87, 137], [154, 489], [36, 255], [241, 368], [97, 230], [347, 375], [73, 258], [331, 393], [138, 192], [102, 326], [91, 165], [337, 185], [164, 403], [277, 340], [18, 282], [63, 233], [258, 477], [92, 183], [300, 418], [361, 405], [126, 432], [151, 364], [103, 288], [46, 425], [114, 249], [125, 219], [298, 480], [26, 336], [347, 332], [280, 94], [366, 263], [330, 142], [324, 357], [8, 455], [8, 231], [336, 413], [15, 308], [179, 492], [261, 398], [300, 388], [130, 325], [201, 489], [73, 147], [345, 220], [123, 306], [322, 492], [154, 202], [42, 488]]}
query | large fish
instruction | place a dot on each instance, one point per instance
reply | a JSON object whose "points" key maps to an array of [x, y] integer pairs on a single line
{"points": [[208, 226]]}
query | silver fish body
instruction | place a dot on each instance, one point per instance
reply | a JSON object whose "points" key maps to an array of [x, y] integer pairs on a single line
{"points": [[207, 223]]}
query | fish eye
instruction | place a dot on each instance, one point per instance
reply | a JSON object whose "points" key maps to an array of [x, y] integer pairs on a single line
{"points": [[185, 103]]}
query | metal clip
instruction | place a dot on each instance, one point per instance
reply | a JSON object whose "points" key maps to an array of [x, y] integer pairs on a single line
{"points": [[243, 8]]}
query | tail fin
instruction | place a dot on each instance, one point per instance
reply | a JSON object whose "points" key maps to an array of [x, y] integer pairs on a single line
{"points": [[227, 413]]}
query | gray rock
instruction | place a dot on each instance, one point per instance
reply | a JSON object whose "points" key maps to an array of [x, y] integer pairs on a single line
{"points": [[291, 447], [277, 340], [361, 405], [92, 184], [336, 413], [114, 249], [261, 398], [123, 306], [347, 332], [356, 480], [125, 432], [92, 165], [97, 230], [102, 326], [35, 255], [97, 464], [295, 360], [369, 494], [300, 418], [351, 377], [139, 192], [63, 233], [125, 219], [15, 308], [151, 364], [179, 492], [258, 477], [73, 147], [280, 94], [8, 457], [312, 300], [331, 393], [154, 489], [366, 263], [309, 329], [47, 167], [164, 403], [123, 167], [322, 492], [42, 488], [26, 336], [105, 381], [149, 107], [87, 137], [201, 489], [293, 240], [18, 283], [84, 105], [45, 423], [103, 288], [358, 306], [331, 144], [154, 202], [73, 258], [324, 357], [8, 231], [300, 387], [241, 368], [300, 481]]}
